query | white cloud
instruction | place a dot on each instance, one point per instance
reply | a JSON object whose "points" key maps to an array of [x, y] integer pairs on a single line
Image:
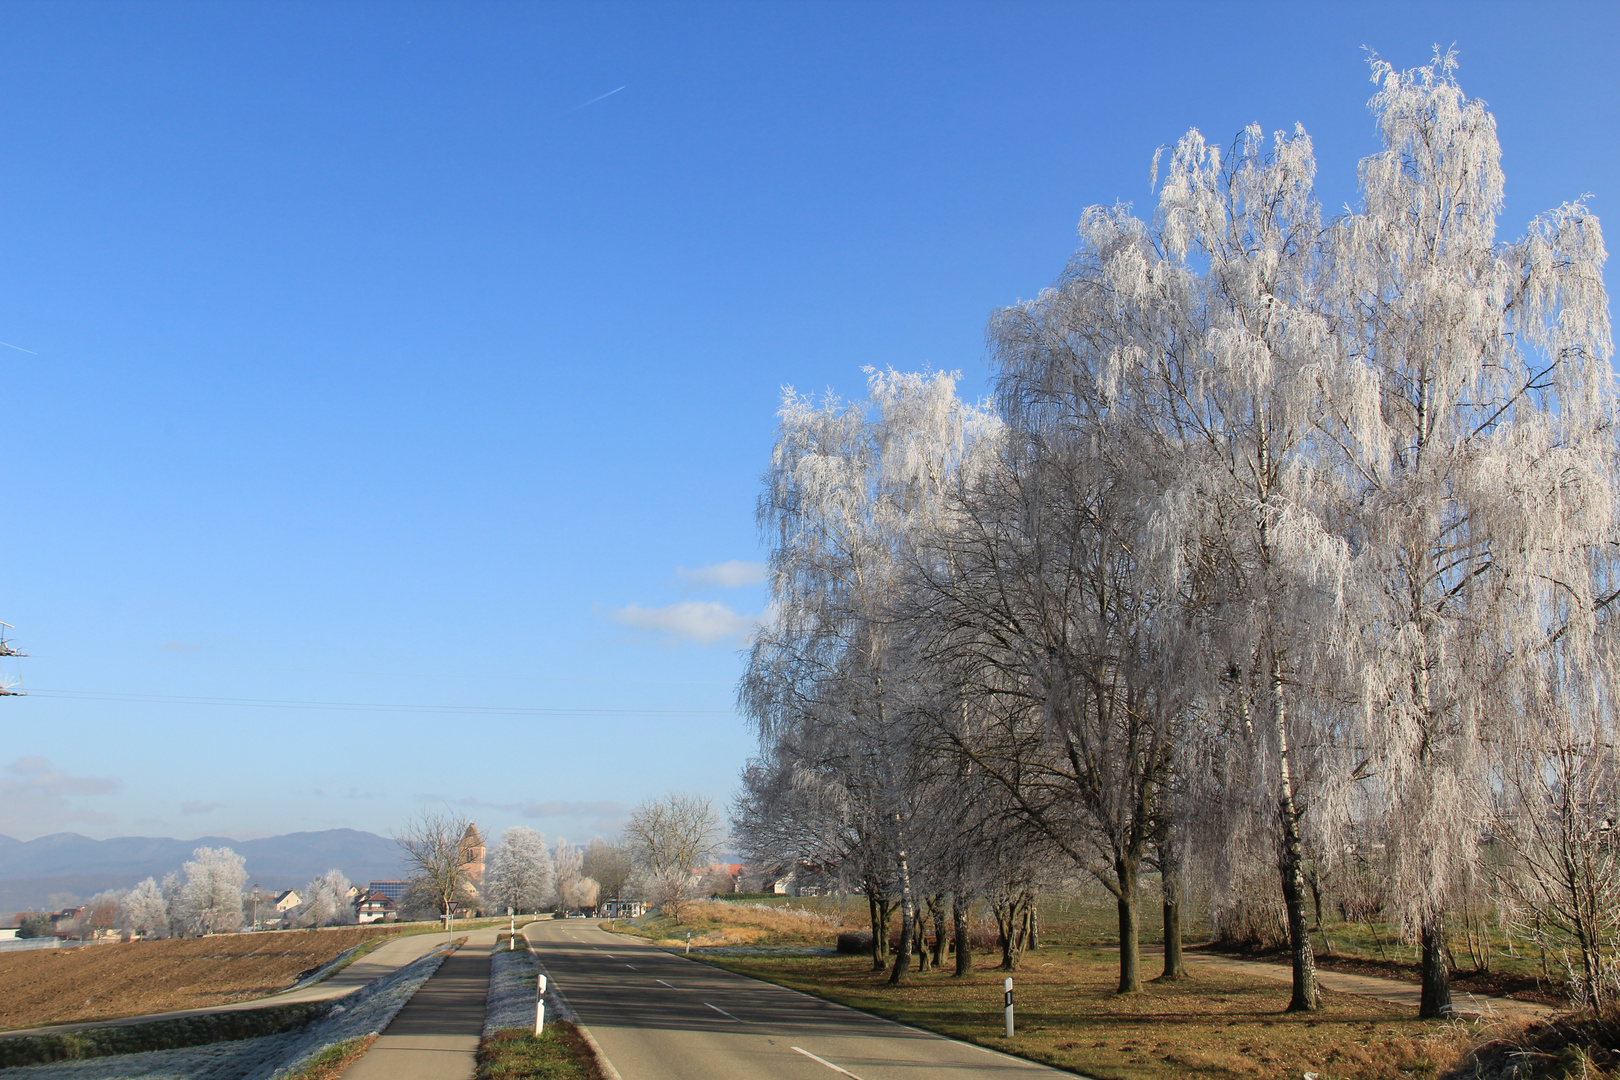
{"points": [[38, 798], [703, 621], [727, 575]]}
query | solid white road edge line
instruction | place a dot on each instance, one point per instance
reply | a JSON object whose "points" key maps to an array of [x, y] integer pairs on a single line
{"points": [[602, 1061], [723, 1013], [827, 1063]]}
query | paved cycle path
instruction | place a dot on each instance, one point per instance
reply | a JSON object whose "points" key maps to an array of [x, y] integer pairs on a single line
{"points": [[1394, 990], [385, 959], [435, 1036]]}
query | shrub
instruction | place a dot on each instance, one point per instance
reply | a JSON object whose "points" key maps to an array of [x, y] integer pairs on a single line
{"points": [[34, 925]]}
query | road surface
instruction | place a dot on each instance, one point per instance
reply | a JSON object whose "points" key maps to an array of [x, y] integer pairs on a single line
{"points": [[658, 1016]]}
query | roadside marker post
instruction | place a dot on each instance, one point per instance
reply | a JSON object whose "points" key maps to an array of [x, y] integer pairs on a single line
{"points": [[1008, 1010], [511, 942], [540, 1007], [689, 943]]}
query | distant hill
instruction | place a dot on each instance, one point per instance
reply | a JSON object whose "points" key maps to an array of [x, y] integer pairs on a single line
{"points": [[32, 870]]}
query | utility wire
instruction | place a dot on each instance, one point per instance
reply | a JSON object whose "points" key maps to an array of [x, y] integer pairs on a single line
{"points": [[363, 706], [383, 674]]}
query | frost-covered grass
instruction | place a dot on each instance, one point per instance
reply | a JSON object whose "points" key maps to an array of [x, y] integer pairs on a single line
{"points": [[510, 1050], [272, 1057], [513, 984], [156, 1035]]}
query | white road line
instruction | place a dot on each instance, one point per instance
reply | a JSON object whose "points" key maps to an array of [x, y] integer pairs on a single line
{"points": [[824, 1061], [666, 984], [723, 1013]]}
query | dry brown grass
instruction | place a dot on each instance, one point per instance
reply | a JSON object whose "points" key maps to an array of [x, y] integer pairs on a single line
{"points": [[1220, 1024], [101, 982], [715, 922]]}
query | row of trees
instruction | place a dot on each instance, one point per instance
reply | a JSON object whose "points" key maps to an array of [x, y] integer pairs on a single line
{"points": [[664, 843], [520, 873], [1287, 546], [205, 897]]}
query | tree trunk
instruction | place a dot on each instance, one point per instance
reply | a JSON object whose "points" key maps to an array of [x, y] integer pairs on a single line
{"points": [[1170, 910], [959, 928], [921, 932], [1035, 919], [1291, 862], [908, 923], [1299, 936], [1009, 914], [1130, 937], [1174, 967], [1314, 881], [1436, 1001], [942, 942], [882, 911]]}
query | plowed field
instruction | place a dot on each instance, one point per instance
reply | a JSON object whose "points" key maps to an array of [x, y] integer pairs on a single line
{"points": [[100, 982]]}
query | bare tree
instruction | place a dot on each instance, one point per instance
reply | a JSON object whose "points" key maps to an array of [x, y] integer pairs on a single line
{"points": [[432, 845], [671, 837], [611, 864]]}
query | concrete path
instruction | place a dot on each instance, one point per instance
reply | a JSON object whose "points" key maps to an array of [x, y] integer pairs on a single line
{"points": [[1394, 990], [385, 959], [658, 1016], [435, 1036]]}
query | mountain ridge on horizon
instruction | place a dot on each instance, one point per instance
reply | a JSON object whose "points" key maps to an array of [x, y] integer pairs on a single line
{"points": [[31, 870]]}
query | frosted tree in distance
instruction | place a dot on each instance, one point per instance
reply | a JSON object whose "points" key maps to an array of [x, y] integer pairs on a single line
{"points": [[520, 875], [211, 895], [144, 912]]}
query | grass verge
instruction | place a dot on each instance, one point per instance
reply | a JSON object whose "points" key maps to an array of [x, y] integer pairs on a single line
{"points": [[559, 1054], [330, 1063], [157, 1035], [712, 922], [1219, 1024]]}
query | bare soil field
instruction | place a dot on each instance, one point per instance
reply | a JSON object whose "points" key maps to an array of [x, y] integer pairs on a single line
{"points": [[102, 982]]}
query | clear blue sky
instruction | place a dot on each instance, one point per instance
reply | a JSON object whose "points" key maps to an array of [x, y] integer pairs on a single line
{"points": [[371, 360]]}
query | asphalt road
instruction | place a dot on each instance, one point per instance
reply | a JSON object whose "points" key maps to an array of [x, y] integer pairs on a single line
{"points": [[658, 1016]]}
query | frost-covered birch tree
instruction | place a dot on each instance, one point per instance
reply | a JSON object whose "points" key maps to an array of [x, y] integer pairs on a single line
{"points": [[1473, 409], [849, 490]]}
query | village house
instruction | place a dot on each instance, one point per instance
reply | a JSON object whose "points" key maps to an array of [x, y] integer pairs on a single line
{"points": [[372, 906]]}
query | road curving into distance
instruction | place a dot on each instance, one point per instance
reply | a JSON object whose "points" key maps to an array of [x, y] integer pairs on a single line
{"points": [[659, 1016]]}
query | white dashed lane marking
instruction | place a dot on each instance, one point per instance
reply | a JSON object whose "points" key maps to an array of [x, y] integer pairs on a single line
{"points": [[824, 1061]]}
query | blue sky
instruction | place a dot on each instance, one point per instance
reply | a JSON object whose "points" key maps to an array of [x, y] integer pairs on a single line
{"points": [[376, 357]]}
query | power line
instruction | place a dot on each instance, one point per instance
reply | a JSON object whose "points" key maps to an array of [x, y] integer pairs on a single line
{"points": [[363, 706], [386, 674]]}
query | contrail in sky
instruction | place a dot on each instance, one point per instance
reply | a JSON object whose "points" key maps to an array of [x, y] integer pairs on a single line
{"points": [[594, 100], [31, 352]]}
